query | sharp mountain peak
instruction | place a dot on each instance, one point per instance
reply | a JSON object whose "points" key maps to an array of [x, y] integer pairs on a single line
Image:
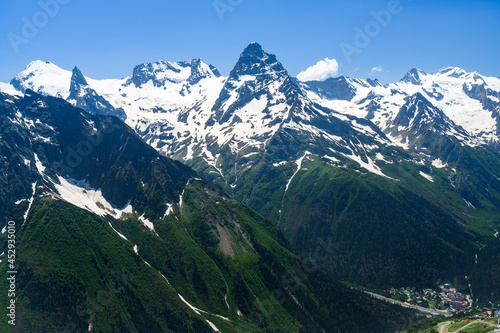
{"points": [[77, 77], [255, 61]]}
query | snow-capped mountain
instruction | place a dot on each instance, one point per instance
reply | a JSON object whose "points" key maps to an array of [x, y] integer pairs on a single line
{"points": [[223, 126], [47, 144], [188, 111], [469, 100], [318, 158], [170, 104], [418, 120], [83, 96], [98, 211], [44, 78], [339, 88]]}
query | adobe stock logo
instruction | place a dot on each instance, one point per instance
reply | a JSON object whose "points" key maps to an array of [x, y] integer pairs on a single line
{"points": [[30, 27], [224, 6], [372, 29]]}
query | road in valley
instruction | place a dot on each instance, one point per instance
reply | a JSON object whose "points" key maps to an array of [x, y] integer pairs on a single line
{"points": [[444, 327], [409, 306]]}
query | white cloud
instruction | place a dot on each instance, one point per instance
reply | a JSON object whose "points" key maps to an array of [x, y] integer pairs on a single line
{"points": [[377, 69], [321, 71]]}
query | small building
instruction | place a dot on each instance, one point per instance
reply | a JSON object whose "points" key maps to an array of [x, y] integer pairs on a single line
{"points": [[489, 312]]}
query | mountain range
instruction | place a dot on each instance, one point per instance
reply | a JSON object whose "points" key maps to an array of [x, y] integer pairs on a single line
{"points": [[402, 180], [112, 236]]}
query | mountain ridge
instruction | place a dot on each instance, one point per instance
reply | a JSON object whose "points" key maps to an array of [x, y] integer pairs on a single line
{"points": [[113, 236], [268, 139]]}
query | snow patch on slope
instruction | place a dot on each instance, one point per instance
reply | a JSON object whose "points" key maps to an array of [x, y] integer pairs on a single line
{"points": [[80, 194], [437, 163], [370, 166], [299, 166], [30, 201], [9, 89], [170, 210], [148, 224], [119, 234], [469, 204], [426, 176], [39, 165], [198, 312]]}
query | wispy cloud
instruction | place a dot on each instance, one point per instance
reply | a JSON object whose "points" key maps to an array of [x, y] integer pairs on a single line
{"points": [[377, 69], [322, 70]]}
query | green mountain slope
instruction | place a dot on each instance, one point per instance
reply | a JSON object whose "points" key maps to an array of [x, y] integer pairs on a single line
{"points": [[74, 272], [117, 238], [417, 226], [234, 267], [248, 263]]}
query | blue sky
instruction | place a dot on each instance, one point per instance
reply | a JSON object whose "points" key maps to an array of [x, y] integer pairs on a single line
{"points": [[106, 39]]}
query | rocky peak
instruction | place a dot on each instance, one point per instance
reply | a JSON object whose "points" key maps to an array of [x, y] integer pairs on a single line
{"points": [[255, 61], [455, 72], [338, 88], [200, 70], [163, 72], [374, 82], [414, 76], [78, 78]]}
